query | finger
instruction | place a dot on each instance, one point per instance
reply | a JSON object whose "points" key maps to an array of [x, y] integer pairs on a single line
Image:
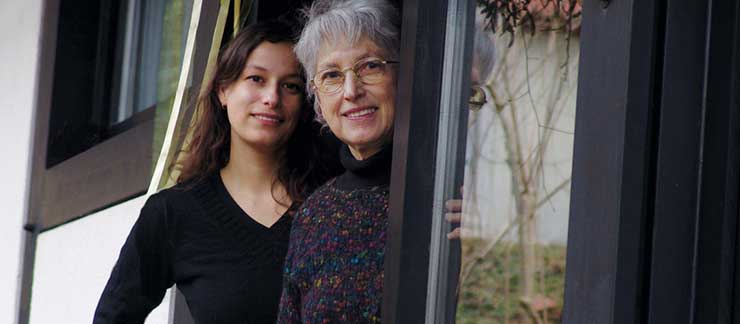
{"points": [[454, 205], [454, 235], [453, 217]]}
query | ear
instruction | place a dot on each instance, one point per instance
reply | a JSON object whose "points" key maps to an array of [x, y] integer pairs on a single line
{"points": [[317, 105], [222, 96]]}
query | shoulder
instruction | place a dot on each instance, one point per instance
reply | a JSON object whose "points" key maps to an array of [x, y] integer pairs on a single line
{"points": [[175, 202], [321, 194], [317, 201], [187, 193], [170, 210]]}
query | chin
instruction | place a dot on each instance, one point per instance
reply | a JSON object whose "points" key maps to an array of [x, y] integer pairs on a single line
{"points": [[366, 141], [359, 141], [266, 141]]}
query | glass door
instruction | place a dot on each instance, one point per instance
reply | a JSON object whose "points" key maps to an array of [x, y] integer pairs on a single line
{"points": [[503, 165]]}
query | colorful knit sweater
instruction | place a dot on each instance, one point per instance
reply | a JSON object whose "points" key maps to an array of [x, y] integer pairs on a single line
{"points": [[334, 267]]}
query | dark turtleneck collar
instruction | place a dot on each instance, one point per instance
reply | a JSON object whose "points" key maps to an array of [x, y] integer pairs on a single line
{"points": [[362, 174]]}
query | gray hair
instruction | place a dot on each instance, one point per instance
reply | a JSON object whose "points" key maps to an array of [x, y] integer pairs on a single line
{"points": [[351, 20]]}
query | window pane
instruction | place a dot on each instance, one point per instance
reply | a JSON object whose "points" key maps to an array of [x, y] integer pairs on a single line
{"points": [[81, 83], [517, 175], [517, 144], [151, 43], [114, 60]]}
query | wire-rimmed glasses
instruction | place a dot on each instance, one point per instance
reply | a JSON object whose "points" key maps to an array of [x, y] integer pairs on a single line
{"points": [[368, 71], [477, 98]]}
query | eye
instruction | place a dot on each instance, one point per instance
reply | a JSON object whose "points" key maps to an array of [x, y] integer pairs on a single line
{"points": [[370, 67], [330, 75], [293, 88], [255, 78], [374, 65]]}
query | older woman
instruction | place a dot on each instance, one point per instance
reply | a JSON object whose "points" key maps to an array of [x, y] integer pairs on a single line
{"points": [[334, 268]]}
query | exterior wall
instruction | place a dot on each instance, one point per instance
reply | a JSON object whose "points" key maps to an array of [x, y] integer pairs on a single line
{"points": [[20, 25], [73, 263]]}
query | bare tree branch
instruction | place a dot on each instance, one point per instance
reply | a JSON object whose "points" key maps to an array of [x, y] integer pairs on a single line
{"points": [[552, 193]]}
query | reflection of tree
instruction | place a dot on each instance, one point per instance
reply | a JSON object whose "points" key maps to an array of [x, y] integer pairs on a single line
{"points": [[175, 26], [508, 16], [527, 135]]}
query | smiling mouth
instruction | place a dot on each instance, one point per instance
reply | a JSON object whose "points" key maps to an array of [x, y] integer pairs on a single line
{"points": [[359, 113], [268, 118]]}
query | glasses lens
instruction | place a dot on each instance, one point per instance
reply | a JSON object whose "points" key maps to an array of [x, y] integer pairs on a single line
{"points": [[371, 71], [330, 80], [477, 98]]}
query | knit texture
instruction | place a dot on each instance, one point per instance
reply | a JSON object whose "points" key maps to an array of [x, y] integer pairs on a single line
{"points": [[334, 269], [226, 264]]}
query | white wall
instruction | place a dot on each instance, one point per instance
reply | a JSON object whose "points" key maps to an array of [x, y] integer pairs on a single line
{"points": [[20, 25], [73, 263], [526, 82]]}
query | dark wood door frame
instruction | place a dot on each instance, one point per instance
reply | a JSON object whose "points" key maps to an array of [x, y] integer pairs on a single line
{"points": [[414, 148], [696, 209], [654, 201], [609, 222]]}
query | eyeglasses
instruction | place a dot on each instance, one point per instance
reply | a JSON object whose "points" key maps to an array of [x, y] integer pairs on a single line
{"points": [[477, 98], [367, 71]]}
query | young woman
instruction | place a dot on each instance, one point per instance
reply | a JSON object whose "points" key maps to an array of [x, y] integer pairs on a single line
{"points": [[221, 233]]}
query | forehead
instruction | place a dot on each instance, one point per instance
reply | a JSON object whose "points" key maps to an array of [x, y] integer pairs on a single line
{"points": [[276, 58], [343, 53]]}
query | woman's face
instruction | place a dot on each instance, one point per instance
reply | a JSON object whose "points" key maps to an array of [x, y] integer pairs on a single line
{"points": [[360, 115], [263, 104]]}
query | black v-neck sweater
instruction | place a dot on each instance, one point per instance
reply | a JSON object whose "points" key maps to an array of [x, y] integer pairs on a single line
{"points": [[226, 264]]}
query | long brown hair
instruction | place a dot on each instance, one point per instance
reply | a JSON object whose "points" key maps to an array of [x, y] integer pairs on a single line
{"points": [[305, 162]]}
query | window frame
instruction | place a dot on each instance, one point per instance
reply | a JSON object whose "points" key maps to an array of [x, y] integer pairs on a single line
{"points": [[114, 170], [414, 149], [656, 167], [698, 167], [445, 254]]}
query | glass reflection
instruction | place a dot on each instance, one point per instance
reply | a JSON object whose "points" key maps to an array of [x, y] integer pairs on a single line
{"points": [[517, 173]]}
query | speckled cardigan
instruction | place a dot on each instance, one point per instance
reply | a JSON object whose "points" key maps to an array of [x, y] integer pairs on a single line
{"points": [[333, 272]]}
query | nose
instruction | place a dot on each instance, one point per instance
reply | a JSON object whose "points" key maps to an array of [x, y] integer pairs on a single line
{"points": [[352, 86], [271, 96]]}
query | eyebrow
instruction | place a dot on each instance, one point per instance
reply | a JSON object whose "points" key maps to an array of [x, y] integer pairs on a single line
{"points": [[294, 75], [329, 65], [289, 76], [257, 67]]}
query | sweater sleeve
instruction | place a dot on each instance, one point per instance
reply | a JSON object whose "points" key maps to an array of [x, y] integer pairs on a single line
{"points": [[290, 301], [143, 271], [290, 304]]}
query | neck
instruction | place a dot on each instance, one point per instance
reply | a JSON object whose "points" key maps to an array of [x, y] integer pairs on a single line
{"points": [[250, 170], [371, 172], [363, 153]]}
